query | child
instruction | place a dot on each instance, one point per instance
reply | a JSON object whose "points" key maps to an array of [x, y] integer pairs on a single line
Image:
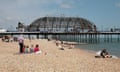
{"points": [[26, 49], [36, 49], [31, 49]]}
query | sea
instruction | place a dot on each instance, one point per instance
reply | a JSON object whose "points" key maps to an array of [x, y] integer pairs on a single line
{"points": [[113, 48]]}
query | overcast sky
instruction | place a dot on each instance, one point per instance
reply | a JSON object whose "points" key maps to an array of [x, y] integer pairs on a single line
{"points": [[104, 13]]}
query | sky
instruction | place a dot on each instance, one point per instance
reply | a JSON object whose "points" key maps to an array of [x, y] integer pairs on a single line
{"points": [[105, 14]]}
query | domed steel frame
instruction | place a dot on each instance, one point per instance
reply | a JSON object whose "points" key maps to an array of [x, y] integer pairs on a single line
{"points": [[61, 24]]}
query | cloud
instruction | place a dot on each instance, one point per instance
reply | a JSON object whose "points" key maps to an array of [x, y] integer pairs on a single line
{"points": [[9, 18], [12, 11], [118, 4], [65, 5]]}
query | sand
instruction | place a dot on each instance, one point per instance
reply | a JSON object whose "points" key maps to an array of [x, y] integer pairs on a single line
{"points": [[52, 59]]}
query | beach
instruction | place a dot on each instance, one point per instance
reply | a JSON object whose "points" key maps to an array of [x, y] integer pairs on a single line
{"points": [[52, 59]]}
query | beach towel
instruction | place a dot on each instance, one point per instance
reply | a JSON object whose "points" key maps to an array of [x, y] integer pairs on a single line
{"points": [[38, 52], [98, 53], [115, 57]]}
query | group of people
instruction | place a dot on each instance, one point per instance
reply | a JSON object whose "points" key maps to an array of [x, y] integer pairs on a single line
{"points": [[25, 49], [61, 45], [32, 49]]}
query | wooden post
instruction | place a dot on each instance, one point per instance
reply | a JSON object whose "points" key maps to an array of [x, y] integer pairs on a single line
{"points": [[37, 36]]}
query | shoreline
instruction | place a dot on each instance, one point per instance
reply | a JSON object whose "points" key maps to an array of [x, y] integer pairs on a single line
{"points": [[74, 44], [67, 60], [97, 48]]}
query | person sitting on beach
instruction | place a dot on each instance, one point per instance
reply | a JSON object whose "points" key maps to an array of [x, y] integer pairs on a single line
{"points": [[60, 47], [105, 54], [32, 49], [71, 46], [36, 49], [26, 49]]}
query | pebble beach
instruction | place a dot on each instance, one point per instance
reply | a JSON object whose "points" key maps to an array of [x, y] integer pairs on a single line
{"points": [[52, 59]]}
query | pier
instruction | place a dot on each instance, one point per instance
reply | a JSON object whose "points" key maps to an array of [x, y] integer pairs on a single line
{"points": [[74, 29], [83, 37]]}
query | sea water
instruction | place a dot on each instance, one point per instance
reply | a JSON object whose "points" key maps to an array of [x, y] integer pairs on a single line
{"points": [[112, 48]]}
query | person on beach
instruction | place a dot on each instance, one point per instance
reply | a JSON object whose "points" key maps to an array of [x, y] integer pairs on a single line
{"points": [[32, 48], [57, 43], [71, 46], [26, 49], [37, 49], [105, 54], [21, 43], [60, 45], [23, 49]]}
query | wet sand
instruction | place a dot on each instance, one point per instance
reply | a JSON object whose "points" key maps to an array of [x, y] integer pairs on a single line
{"points": [[52, 59]]}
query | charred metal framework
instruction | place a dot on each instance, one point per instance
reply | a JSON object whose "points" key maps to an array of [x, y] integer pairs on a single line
{"points": [[60, 24]]}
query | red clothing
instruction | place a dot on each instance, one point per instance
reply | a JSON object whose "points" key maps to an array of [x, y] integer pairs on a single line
{"points": [[36, 49], [23, 49]]}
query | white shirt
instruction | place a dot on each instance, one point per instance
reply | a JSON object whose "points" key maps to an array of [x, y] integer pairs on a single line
{"points": [[20, 39]]}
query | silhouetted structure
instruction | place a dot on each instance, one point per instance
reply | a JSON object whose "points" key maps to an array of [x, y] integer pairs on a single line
{"points": [[61, 24]]}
